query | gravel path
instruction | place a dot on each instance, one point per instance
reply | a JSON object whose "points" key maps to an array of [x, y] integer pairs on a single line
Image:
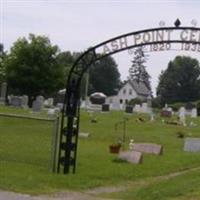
{"points": [[90, 194]]}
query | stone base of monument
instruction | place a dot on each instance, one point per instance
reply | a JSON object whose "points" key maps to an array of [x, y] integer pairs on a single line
{"points": [[131, 156], [148, 148]]}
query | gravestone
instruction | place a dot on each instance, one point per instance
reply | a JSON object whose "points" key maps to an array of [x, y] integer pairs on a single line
{"points": [[181, 115], [105, 108], [48, 102], [144, 108], [16, 101], [131, 156], [129, 109], [194, 113], [24, 101], [165, 113], [37, 106], [137, 108], [3, 93], [148, 148], [192, 144]]}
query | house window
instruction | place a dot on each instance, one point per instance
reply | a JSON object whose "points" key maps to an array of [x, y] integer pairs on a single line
{"points": [[121, 101], [130, 91], [126, 101], [111, 100], [124, 91]]}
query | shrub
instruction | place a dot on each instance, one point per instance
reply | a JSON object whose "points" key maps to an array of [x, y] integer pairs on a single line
{"points": [[189, 106], [176, 106], [135, 101], [156, 103]]}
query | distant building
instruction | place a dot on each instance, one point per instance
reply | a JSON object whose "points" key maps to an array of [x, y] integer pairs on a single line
{"points": [[131, 90]]}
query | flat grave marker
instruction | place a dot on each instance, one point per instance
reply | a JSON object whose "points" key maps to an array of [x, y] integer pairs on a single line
{"points": [[192, 144], [131, 156], [148, 148]]}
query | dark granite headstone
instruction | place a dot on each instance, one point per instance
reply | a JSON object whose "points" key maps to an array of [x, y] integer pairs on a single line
{"points": [[129, 109], [105, 108], [165, 113]]}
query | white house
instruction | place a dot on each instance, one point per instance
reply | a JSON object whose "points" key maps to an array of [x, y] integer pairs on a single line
{"points": [[131, 90]]}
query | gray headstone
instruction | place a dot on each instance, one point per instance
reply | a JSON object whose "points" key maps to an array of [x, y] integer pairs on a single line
{"points": [[24, 101], [131, 156], [194, 113], [192, 144], [148, 148], [16, 101], [37, 106]]}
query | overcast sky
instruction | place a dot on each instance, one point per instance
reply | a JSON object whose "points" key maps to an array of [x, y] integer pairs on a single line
{"points": [[76, 25]]}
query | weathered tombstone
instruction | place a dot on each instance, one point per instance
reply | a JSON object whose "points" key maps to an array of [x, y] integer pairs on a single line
{"points": [[37, 106], [105, 108], [129, 109], [40, 98], [144, 108], [84, 135], [148, 148], [48, 103], [16, 101], [131, 156], [24, 101], [194, 113], [192, 144], [181, 115], [137, 108], [3, 93]]}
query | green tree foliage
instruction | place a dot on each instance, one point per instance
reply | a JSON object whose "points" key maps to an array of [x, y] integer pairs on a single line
{"points": [[32, 68], [104, 77], [138, 71], [66, 60], [180, 82], [2, 65]]}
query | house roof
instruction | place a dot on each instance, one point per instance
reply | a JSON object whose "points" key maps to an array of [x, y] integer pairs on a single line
{"points": [[140, 87]]}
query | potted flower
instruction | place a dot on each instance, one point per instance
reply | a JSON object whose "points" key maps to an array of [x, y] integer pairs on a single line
{"points": [[115, 148]]}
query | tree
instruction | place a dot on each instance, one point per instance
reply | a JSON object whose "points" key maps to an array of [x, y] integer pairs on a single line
{"points": [[180, 82], [104, 77], [2, 66], [138, 71], [65, 60], [32, 68]]}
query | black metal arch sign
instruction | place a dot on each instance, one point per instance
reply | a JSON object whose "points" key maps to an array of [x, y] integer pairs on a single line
{"points": [[157, 39], [188, 38]]}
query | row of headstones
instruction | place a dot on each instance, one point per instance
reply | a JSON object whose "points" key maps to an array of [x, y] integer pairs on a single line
{"points": [[168, 111], [22, 102], [128, 109]]}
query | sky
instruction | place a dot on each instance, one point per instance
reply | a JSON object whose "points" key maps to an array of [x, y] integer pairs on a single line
{"points": [[75, 25]]}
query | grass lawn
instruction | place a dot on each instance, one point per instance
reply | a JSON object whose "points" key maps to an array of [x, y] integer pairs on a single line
{"points": [[25, 150]]}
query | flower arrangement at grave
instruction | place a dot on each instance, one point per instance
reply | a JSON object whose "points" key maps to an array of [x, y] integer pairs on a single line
{"points": [[115, 147]]}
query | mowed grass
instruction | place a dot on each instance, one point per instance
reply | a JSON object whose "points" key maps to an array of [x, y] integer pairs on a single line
{"points": [[25, 152]]}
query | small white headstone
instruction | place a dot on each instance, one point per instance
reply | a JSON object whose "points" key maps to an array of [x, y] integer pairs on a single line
{"points": [[137, 108], [194, 113], [182, 116]]}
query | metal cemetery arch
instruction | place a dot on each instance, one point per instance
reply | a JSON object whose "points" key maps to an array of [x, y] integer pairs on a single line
{"points": [[71, 109]]}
